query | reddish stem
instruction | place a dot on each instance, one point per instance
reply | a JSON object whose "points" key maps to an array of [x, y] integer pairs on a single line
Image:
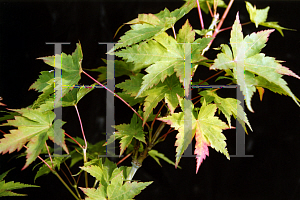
{"points": [[221, 22], [113, 94], [124, 158], [74, 140], [211, 14], [42, 160], [49, 153], [157, 114], [224, 29], [200, 15], [83, 135], [211, 77]]}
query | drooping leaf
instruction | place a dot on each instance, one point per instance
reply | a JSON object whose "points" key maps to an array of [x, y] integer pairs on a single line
{"points": [[6, 187], [259, 17], [248, 63], [207, 128], [34, 127], [184, 138], [155, 155], [228, 106], [209, 133]]}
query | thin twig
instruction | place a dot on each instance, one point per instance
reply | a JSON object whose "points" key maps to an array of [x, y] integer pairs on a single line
{"points": [[200, 15], [211, 14], [113, 94], [49, 153], [124, 158], [174, 32], [82, 131], [211, 77], [74, 140], [224, 29]]}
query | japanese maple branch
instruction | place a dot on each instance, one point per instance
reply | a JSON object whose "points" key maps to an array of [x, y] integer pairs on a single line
{"points": [[57, 175], [115, 95], [200, 15], [85, 147], [150, 132], [82, 131], [74, 140], [75, 182], [221, 22]]}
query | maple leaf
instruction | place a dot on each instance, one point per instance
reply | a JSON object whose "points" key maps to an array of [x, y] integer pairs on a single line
{"points": [[207, 128], [248, 63], [6, 187], [259, 17], [165, 56], [184, 138], [209, 133], [228, 106], [34, 127], [112, 184], [146, 26], [169, 90], [129, 131], [71, 70]]}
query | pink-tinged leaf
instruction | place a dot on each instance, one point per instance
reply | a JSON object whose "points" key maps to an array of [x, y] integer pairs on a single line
{"points": [[286, 71], [34, 127], [201, 149]]}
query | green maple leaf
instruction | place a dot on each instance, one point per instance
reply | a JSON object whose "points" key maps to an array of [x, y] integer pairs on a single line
{"points": [[71, 70], [111, 182], [247, 62], [228, 106], [167, 91], [6, 187], [259, 17], [146, 26], [129, 131], [165, 56], [34, 127], [119, 191], [155, 155]]}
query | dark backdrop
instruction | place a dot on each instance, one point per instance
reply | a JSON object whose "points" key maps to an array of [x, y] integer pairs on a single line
{"points": [[273, 172]]}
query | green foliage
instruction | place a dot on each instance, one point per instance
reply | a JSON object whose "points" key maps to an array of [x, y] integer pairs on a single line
{"points": [[112, 182], [155, 65], [7, 187]]}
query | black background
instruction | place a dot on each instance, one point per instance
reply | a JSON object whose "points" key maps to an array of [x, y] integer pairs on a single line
{"points": [[273, 172]]}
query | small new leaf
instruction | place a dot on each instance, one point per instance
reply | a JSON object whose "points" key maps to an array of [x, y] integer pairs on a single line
{"points": [[259, 17]]}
